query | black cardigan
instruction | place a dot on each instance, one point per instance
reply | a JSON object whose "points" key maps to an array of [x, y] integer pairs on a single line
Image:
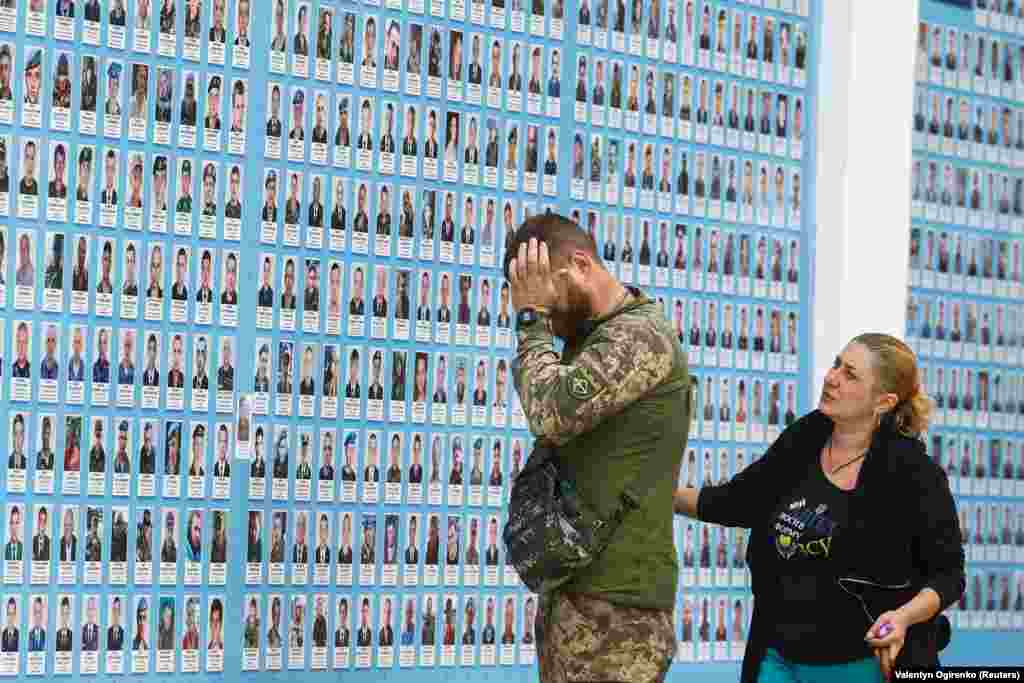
{"points": [[903, 523]]}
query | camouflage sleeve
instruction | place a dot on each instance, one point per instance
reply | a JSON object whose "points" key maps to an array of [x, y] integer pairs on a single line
{"points": [[619, 363]]}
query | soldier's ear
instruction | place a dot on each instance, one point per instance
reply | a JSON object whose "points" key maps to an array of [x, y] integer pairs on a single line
{"points": [[582, 261]]}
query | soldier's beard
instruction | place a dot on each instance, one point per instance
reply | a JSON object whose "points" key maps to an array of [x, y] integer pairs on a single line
{"points": [[571, 312]]}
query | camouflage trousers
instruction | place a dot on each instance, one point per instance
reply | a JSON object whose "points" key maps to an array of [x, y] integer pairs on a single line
{"points": [[582, 639]]}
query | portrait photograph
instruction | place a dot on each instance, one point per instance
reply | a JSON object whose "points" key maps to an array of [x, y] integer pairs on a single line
{"points": [[392, 46], [300, 36], [33, 84], [347, 40], [188, 111], [8, 70], [414, 51], [211, 118], [164, 101], [210, 196], [369, 43], [239, 109], [343, 132], [159, 197]]}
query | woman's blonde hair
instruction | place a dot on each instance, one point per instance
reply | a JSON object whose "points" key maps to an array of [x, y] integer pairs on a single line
{"points": [[896, 372]]}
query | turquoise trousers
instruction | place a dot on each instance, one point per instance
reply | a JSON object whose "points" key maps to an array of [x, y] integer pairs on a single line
{"points": [[775, 669]]}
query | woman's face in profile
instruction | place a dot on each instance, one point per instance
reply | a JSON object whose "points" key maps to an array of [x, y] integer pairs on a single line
{"points": [[850, 392]]}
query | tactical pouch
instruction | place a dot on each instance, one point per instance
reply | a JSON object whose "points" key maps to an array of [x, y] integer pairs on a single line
{"points": [[551, 533]]}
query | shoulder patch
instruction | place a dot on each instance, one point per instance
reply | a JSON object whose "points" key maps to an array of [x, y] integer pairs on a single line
{"points": [[581, 384]]}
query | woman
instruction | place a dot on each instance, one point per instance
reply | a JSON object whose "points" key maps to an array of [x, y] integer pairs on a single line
{"points": [[451, 149], [862, 535]]}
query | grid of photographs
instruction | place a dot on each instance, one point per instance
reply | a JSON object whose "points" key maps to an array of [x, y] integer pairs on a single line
{"points": [[123, 133], [689, 144], [381, 307], [303, 385], [964, 316]]}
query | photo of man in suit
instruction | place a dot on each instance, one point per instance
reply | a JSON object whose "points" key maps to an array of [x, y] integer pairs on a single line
{"points": [[491, 553], [320, 623], [323, 549], [423, 310], [91, 629], [151, 375], [401, 309], [357, 305], [345, 549], [364, 637], [300, 550], [375, 392], [254, 552], [68, 540], [380, 296], [311, 293], [277, 537], [10, 639], [386, 636], [37, 634], [341, 633], [368, 550], [115, 632], [41, 540], [339, 215], [65, 636], [17, 460], [14, 549]]}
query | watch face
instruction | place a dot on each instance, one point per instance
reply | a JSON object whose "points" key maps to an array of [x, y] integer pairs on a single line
{"points": [[526, 317]]}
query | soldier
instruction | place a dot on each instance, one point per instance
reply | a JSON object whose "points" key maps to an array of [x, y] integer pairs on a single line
{"points": [[189, 104], [185, 193], [33, 77], [6, 92], [622, 372]]}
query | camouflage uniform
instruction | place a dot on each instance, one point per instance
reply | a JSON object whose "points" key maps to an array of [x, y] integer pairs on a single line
{"points": [[581, 639], [617, 396], [563, 400]]}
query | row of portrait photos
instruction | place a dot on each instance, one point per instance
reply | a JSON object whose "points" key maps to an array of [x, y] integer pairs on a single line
{"points": [[36, 22], [965, 261], [965, 328], [696, 33], [464, 468], [278, 638]]}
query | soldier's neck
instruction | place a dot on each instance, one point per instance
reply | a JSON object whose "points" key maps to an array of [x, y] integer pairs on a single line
{"points": [[609, 294]]}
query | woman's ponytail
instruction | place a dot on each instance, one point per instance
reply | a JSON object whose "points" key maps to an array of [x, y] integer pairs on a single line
{"points": [[896, 372]]}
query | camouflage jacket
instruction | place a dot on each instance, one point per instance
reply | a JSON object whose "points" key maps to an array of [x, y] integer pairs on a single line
{"points": [[611, 401]]}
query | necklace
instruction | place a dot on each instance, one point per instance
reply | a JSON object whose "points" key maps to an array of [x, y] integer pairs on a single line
{"points": [[848, 462]]}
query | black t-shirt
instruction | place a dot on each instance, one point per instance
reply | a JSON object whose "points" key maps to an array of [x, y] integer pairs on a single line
{"points": [[813, 619]]}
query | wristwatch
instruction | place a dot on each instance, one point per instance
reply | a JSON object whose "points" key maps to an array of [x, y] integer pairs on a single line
{"points": [[527, 317]]}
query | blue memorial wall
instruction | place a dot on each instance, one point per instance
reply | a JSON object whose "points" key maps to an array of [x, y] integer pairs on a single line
{"points": [[965, 316], [255, 340]]}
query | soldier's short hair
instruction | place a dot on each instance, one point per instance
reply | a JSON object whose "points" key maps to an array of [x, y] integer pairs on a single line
{"points": [[561, 235]]}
